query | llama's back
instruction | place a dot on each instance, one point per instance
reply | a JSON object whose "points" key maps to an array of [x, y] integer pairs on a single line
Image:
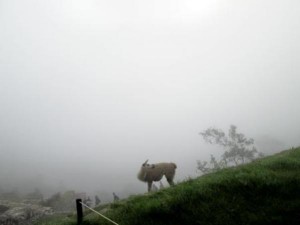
{"points": [[166, 168]]}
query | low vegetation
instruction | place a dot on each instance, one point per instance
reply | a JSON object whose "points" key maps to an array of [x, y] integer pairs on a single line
{"points": [[265, 191]]}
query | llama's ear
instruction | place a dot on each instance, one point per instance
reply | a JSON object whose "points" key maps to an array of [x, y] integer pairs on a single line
{"points": [[145, 162]]}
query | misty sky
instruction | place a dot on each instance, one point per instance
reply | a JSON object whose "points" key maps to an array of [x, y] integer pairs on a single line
{"points": [[91, 89]]}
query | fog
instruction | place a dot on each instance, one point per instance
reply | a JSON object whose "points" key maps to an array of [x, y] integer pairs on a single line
{"points": [[91, 89]]}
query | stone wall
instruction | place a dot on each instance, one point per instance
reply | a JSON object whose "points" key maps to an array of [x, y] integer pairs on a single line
{"points": [[22, 214]]}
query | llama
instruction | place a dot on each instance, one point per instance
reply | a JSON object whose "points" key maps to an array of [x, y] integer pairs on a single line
{"points": [[154, 172]]}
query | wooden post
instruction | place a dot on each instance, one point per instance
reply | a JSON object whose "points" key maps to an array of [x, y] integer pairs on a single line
{"points": [[79, 211]]}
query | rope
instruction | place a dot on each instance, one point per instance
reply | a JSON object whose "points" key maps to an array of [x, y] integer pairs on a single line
{"points": [[98, 213]]}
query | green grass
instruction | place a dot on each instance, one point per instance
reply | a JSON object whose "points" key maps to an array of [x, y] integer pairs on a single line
{"points": [[266, 191], [57, 219]]}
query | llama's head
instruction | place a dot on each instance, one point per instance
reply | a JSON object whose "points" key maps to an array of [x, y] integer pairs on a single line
{"points": [[146, 165]]}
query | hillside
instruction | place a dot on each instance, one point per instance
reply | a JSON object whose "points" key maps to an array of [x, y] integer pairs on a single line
{"points": [[266, 191]]}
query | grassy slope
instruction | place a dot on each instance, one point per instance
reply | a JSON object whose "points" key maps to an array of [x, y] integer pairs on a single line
{"points": [[263, 192]]}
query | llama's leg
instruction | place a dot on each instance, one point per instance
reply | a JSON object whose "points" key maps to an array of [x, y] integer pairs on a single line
{"points": [[170, 181], [149, 185], [170, 178]]}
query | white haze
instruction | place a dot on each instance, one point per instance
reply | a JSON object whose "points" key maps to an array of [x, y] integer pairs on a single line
{"points": [[91, 89]]}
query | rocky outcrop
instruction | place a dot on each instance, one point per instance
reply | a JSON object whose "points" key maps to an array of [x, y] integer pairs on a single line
{"points": [[3, 209], [23, 214]]}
